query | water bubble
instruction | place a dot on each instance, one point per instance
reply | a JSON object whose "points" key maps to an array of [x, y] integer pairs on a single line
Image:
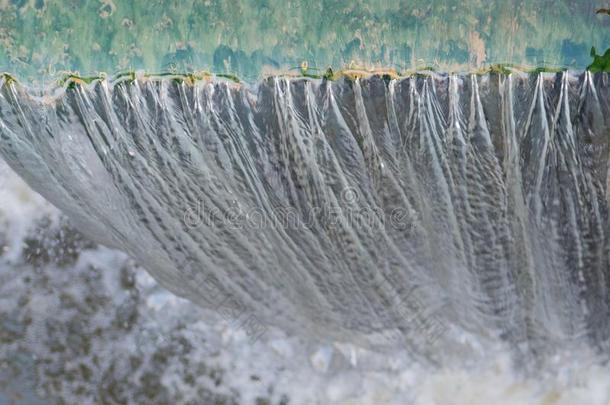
{"points": [[349, 195], [399, 219]]}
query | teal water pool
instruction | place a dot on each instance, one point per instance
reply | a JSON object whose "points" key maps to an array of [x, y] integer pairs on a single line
{"points": [[39, 39]]}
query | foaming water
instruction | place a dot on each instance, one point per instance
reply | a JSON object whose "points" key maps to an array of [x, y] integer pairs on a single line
{"points": [[437, 213], [335, 373]]}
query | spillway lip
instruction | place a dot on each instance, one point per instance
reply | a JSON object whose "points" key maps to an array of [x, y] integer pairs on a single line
{"points": [[71, 78], [49, 91]]}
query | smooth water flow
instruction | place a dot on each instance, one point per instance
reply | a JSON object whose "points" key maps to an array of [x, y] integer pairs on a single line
{"points": [[407, 212]]}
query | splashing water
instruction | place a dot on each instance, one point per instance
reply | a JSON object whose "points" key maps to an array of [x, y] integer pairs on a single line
{"points": [[407, 212]]}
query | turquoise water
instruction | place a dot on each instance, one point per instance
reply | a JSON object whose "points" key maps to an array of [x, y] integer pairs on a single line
{"points": [[248, 38]]}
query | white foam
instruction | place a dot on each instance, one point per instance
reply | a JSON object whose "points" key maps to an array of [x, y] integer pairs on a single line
{"points": [[307, 373]]}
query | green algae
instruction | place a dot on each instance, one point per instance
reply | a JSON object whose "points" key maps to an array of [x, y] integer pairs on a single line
{"points": [[72, 80], [8, 78], [545, 69], [229, 76], [601, 63], [499, 69]]}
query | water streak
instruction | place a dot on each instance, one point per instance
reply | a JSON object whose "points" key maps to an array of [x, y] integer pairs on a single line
{"points": [[382, 212]]}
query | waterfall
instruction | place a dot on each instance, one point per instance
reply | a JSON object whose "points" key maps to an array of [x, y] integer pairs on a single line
{"points": [[382, 212]]}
